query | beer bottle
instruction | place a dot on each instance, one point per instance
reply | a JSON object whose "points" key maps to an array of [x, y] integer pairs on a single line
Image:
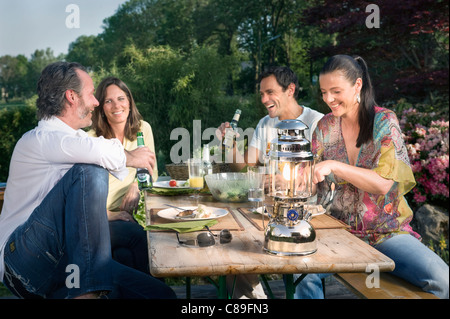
{"points": [[231, 132], [144, 179]]}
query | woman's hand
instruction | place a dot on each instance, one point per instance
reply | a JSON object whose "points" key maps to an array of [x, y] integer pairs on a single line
{"points": [[131, 199], [321, 170], [362, 178], [121, 215]]}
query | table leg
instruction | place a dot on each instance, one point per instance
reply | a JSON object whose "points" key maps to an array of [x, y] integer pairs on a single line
{"points": [[221, 286], [222, 289], [290, 284], [266, 284], [188, 287]]}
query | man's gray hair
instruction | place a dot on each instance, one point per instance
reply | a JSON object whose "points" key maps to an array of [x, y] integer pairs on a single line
{"points": [[55, 80]]}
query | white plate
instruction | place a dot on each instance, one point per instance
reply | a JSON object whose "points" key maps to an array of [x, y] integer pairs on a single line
{"points": [[258, 211], [165, 184], [170, 213], [316, 210]]}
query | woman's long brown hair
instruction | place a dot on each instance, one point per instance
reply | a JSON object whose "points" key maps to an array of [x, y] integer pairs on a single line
{"points": [[100, 123]]}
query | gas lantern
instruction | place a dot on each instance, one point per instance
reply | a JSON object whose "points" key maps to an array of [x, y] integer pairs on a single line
{"points": [[291, 168]]}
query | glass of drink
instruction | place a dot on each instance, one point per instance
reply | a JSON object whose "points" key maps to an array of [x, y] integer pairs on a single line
{"points": [[196, 174], [256, 177]]}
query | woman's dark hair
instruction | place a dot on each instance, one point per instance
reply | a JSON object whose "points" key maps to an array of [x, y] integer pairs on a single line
{"points": [[100, 123], [284, 76], [353, 68], [55, 80]]}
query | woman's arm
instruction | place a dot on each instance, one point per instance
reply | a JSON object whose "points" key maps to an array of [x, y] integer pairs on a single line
{"points": [[362, 178]]}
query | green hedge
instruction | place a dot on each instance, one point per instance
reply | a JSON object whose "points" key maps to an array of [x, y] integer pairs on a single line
{"points": [[15, 120]]}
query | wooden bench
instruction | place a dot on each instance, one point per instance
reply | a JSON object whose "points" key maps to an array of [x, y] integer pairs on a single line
{"points": [[391, 287]]}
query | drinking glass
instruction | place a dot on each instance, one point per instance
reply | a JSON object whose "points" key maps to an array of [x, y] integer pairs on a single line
{"points": [[196, 174], [256, 177]]}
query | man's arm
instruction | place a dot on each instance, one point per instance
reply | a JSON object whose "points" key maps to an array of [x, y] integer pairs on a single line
{"points": [[234, 158], [237, 162], [141, 157]]}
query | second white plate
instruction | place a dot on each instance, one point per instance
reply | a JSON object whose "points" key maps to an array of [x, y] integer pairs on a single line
{"points": [[165, 184], [170, 213]]}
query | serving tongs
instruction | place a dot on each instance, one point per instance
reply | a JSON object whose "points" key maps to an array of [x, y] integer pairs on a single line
{"points": [[184, 213]]}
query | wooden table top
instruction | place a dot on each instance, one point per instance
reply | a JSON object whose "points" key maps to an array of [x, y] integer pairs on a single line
{"points": [[338, 250]]}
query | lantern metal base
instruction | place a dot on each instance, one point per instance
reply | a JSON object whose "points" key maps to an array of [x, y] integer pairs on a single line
{"points": [[284, 240], [283, 253]]}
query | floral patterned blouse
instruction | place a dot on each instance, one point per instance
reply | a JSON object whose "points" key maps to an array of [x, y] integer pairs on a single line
{"points": [[371, 217]]}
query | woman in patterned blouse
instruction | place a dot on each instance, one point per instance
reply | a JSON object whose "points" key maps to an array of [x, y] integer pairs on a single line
{"points": [[361, 151]]}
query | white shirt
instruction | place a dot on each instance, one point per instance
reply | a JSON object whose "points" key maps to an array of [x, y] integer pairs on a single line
{"points": [[40, 158], [265, 131]]}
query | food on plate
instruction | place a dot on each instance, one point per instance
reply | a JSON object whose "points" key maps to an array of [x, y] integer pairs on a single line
{"points": [[185, 213], [203, 212], [173, 183]]}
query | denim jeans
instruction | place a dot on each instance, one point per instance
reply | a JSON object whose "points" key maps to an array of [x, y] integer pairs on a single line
{"points": [[414, 262], [129, 244], [63, 250]]}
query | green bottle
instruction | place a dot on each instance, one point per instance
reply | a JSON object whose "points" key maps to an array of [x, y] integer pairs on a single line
{"points": [[144, 179], [230, 133]]}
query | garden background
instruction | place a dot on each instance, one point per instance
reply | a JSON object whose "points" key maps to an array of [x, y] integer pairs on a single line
{"points": [[199, 60]]}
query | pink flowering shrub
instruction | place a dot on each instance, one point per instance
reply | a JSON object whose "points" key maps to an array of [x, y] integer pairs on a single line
{"points": [[427, 142]]}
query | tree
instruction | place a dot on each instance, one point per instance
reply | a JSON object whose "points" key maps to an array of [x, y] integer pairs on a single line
{"points": [[83, 51], [38, 61], [146, 23], [13, 71], [408, 53]]}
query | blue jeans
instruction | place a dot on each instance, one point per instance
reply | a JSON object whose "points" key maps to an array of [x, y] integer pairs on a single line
{"points": [[63, 250], [129, 244], [414, 262]]}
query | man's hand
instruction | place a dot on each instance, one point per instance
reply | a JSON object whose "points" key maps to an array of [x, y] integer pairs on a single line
{"points": [[222, 129], [141, 157], [220, 132]]}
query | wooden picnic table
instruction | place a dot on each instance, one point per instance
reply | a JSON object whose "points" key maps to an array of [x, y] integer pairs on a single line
{"points": [[338, 250]]}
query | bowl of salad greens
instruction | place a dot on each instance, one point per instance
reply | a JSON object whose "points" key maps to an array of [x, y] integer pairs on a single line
{"points": [[228, 187]]}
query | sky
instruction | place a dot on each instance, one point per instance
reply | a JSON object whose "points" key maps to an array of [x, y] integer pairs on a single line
{"points": [[29, 25]]}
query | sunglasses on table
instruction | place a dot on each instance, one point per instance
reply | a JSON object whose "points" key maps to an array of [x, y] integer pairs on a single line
{"points": [[206, 239]]}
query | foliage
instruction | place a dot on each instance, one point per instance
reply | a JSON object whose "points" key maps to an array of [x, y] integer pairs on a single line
{"points": [[19, 76], [83, 51], [440, 248], [427, 140], [408, 53], [173, 88], [200, 59], [15, 120]]}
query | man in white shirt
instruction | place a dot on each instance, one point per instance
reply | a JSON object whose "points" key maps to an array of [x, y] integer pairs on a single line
{"points": [[279, 90], [54, 233]]}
